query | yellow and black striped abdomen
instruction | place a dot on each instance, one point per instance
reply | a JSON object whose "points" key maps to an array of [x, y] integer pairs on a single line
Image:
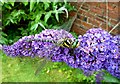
{"points": [[69, 43]]}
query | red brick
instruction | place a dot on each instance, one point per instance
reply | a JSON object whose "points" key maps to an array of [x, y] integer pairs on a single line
{"points": [[113, 15], [113, 9], [110, 6], [73, 3], [97, 10], [88, 14], [100, 19], [116, 9], [103, 5], [77, 21], [79, 3], [82, 11], [106, 27], [72, 13], [103, 26], [109, 28], [78, 30], [94, 21], [104, 12], [79, 0], [119, 8], [92, 3], [85, 7], [114, 22], [116, 3], [87, 25], [80, 17]]}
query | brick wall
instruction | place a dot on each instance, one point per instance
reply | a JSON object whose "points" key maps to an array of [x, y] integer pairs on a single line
{"points": [[96, 14]]}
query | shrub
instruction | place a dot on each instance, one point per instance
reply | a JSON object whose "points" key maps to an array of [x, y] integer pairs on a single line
{"points": [[26, 18]]}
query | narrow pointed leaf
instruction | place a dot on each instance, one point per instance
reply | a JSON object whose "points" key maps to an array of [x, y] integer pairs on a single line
{"points": [[41, 25], [47, 16]]}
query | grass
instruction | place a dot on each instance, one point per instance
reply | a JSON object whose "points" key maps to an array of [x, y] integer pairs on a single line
{"points": [[23, 70]]}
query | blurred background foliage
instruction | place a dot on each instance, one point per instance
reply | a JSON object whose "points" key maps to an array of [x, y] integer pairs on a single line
{"points": [[25, 18], [23, 70]]}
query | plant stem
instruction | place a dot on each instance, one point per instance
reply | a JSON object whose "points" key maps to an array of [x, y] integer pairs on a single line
{"points": [[114, 27]]}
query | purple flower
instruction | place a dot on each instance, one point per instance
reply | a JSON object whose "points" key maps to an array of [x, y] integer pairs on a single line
{"points": [[113, 67], [97, 50], [34, 45], [96, 47]]}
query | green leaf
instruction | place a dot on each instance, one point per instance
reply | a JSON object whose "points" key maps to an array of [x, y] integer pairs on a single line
{"points": [[109, 78], [38, 16], [56, 15], [2, 1], [46, 5], [65, 1], [0, 29], [25, 3], [3, 41], [3, 34], [34, 26], [74, 34], [12, 3], [63, 9], [41, 25], [38, 1], [7, 6], [32, 3], [54, 3], [16, 13], [47, 15], [11, 20]]}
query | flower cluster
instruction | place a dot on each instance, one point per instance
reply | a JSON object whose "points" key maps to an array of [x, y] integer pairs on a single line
{"points": [[97, 50], [34, 45], [112, 64], [94, 49], [20, 48]]}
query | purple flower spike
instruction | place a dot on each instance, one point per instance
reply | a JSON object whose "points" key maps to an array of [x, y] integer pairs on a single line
{"points": [[97, 50], [34, 45]]}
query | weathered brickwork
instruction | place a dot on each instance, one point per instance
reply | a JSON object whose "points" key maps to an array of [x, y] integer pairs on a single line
{"points": [[96, 14]]}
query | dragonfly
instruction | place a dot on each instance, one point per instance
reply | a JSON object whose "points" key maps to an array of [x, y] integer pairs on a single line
{"points": [[65, 42]]}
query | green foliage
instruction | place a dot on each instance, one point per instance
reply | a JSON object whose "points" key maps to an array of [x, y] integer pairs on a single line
{"points": [[23, 70], [3, 40], [74, 34], [109, 78], [26, 18]]}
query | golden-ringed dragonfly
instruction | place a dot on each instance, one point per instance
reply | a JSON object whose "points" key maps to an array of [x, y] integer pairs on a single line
{"points": [[65, 43]]}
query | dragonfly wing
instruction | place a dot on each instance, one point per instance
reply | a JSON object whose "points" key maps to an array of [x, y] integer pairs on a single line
{"points": [[41, 66], [67, 25]]}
